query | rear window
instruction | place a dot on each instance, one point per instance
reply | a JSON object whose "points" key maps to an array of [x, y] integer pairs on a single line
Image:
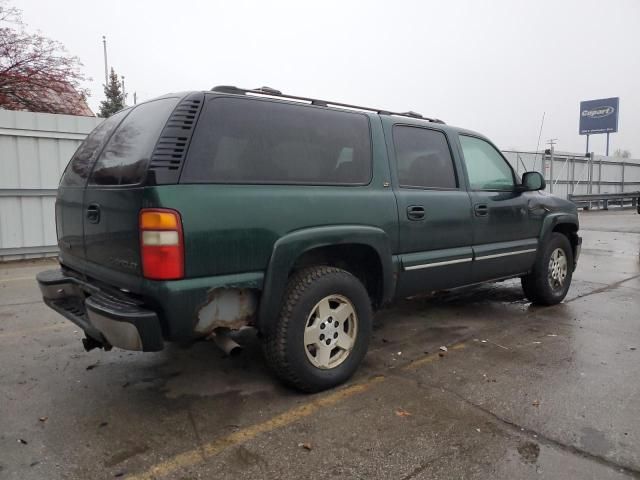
{"points": [[126, 155], [258, 141], [77, 171], [423, 158]]}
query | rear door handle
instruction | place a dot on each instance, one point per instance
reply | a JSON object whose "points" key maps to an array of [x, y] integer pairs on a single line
{"points": [[415, 212], [481, 209], [93, 213]]}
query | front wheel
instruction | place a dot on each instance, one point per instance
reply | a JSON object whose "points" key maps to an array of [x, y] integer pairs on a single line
{"points": [[549, 281], [323, 330]]}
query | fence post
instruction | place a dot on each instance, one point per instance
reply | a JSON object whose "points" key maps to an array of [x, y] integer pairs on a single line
{"points": [[622, 183], [599, 175], [551, 171], [573, 174], [590, 174]]}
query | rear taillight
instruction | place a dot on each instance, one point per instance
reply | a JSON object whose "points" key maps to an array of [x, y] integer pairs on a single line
{"points": [[161, 244]]}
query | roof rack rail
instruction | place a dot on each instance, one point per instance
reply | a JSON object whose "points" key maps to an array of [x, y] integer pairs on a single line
{"points": [[314, 101], [413, 114]]}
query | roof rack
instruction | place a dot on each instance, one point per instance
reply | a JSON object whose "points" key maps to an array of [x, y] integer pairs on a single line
{"points": [[272, 92]]}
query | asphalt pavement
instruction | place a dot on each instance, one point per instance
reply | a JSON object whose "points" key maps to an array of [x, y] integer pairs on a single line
{"points": [[521, 391]]}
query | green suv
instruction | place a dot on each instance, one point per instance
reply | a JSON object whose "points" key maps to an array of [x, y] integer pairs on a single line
{"points": [[197, 214]]}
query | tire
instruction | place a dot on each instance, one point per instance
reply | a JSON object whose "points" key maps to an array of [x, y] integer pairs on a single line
{"points": [[314, 296], [544, 286]]}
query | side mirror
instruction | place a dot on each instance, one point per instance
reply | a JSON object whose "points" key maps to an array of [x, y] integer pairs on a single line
{"points": [[532, 181]]}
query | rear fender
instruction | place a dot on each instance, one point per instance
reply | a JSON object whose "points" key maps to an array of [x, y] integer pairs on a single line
{"points": [[289, 248]]}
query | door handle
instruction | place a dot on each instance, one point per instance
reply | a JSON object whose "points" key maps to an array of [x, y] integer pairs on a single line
{"points": [[93, 213], [481, 209], [415, 212]]}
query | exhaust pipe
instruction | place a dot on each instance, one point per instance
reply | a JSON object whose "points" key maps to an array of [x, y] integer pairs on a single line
{"points": [[90, 343], [227, 344]]}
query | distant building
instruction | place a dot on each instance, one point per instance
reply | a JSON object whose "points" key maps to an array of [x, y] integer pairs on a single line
{"points": [[64, 100]]}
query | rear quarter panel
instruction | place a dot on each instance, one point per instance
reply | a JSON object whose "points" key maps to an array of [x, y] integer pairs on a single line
{"points": [[233, 228]]}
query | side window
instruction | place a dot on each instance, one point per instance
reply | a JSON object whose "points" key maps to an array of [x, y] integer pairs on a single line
{"points": [[125, 157], [423, 158], [77, 171], [259, 141], [486, 167]]}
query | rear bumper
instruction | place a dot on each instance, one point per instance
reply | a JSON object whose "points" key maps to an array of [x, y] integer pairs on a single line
{"points": [[112, 320]]}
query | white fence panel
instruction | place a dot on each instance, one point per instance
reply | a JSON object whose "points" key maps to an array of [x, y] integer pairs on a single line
{"points": [[34, 150], [568, 173]]}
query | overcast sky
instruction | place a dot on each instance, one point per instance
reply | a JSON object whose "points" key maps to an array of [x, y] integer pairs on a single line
{"points": [[492, 66]]}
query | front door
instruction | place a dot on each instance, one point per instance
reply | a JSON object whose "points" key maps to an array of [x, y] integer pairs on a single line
{"points": [[434, 212], [505, 232]]}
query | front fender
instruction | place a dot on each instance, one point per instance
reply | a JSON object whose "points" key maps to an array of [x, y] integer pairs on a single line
{"points": [[290, 247], [556, 218]]}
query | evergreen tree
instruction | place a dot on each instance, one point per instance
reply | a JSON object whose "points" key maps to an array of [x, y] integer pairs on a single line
{"points": [[114, 100]]}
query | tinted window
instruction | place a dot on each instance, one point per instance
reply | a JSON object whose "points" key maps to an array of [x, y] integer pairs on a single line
{"points": [[125, 157], [256, 141], [423, 158], [486, 167], [80, 165]]}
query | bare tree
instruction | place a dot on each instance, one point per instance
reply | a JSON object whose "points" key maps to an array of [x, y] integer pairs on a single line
{"points": [[622, 153], [36, 72]]}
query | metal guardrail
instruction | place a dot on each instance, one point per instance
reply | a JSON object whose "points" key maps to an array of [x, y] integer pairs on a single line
{"points": [[586, 200]]}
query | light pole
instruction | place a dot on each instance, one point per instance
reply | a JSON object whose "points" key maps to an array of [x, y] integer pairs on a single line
{"points": [[551, 142], [106, 68]]}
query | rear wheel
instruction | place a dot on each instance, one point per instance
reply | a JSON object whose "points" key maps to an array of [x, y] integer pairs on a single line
{"points": [[323, 330], [549, 281]]}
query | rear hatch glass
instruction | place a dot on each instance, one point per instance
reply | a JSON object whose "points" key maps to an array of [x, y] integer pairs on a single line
{"points": [[78, 169], [70, 198], [125, 158]]}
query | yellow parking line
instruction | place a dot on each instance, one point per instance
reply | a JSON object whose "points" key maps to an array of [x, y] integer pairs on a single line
{"points": [[430, 358], [208, 450], [211, 449], [27, 331]]}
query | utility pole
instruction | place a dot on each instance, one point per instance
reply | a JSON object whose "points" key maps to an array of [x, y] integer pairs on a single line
{"points": [[587, 152], [551, 142], [135, 98], [106, 68], [124, 93]]}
